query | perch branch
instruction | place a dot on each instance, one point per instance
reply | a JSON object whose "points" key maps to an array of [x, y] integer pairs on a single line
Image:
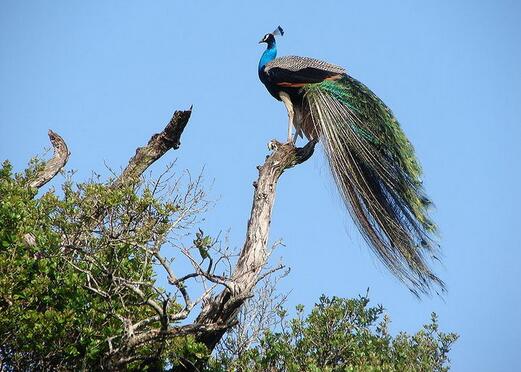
{"points": [[224, 307]]}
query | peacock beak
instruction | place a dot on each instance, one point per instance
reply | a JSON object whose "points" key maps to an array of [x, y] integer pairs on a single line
{"points": [[262, 41]]}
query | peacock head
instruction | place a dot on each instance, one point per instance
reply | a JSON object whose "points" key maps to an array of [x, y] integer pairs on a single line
{"points": [[270, 38]]}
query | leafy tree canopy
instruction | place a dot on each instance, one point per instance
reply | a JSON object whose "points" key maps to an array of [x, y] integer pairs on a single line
{"points": [[78, 291], [343, 335]]}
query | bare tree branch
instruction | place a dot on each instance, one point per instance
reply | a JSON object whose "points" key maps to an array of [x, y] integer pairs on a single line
{"points": [[156, 147], [145, 156], [55, 164], [257, 315], [122, 356], [51, 168], [223, 308]]}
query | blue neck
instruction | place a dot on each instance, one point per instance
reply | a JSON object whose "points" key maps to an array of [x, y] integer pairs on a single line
{"points": [[269, 55]]}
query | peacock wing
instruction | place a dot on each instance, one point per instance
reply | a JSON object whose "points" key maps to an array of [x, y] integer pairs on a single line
{"points": [[296, 71]]}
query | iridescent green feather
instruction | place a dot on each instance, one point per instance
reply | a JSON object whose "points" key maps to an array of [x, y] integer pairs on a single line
{"points": [[378, 175]]}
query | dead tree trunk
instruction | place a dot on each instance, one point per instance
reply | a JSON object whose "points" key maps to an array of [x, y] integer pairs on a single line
{"points": [[223, 309]]}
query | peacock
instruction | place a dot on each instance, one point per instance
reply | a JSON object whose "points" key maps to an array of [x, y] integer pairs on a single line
{"points": [[372, 161]]}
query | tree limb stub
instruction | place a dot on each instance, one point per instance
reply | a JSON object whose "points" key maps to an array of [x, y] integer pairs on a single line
{"points": [[50, 169], [224, 307], [55, 164], [156, 147]]}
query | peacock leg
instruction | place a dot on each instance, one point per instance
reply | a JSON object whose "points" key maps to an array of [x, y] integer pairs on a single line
{"points": [[291, 114], [297, 123]]}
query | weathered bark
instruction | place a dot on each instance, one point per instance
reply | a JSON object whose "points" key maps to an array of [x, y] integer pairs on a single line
{"points": [[223, 309], [55, 164], [119, 360], [50, 169], [156, 147]]}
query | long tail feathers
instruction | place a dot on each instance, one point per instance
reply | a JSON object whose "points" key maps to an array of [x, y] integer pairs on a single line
{"points": [[378, 176]]}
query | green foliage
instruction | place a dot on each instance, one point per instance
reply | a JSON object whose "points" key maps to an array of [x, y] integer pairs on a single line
{"points": [[43, 305], [202, 243], [68, 264], [51, 316], [343, 335]]}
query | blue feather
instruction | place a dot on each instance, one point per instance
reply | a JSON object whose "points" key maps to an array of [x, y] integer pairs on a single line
{"points": [[269, 55]]}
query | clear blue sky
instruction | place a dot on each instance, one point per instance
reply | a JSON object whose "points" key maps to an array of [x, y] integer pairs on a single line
{"points": [[106, 75]]}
